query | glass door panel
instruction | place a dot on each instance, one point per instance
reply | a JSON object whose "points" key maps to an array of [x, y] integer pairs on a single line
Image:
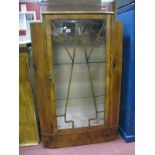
{"points": [[79, 57]]}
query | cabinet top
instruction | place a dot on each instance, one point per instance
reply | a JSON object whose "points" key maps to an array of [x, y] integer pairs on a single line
{"points": [[75, 12]]}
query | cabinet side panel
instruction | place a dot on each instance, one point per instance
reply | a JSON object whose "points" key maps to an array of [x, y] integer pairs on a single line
{"points": [[116, 73], [27, 118], [41, 79]]}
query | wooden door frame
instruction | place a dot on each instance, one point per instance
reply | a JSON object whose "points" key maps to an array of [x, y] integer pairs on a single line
{"points": [[48, 30]]}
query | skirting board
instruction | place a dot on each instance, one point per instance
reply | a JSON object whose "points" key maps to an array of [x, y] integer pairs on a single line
{"points": [[125, 136]]}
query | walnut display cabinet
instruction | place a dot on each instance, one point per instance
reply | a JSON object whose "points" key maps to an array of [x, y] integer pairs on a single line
{"points": [[77, 58]]}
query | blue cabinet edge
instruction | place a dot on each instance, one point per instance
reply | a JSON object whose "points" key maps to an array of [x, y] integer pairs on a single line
{"points": [[126, 137], [126, 128], [126, 8]]}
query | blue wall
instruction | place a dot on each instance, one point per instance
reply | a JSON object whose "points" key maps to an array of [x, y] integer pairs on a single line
{"points": [[127, 108]]}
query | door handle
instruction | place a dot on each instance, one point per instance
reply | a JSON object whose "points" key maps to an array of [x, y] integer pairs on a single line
{"points": [[50, 78]]}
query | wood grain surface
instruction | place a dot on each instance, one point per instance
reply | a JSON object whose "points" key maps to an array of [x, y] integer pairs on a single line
{"points": [[28, 131]]}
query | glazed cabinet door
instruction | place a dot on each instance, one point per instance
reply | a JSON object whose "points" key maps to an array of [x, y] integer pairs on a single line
{"points": [[79, 63]]}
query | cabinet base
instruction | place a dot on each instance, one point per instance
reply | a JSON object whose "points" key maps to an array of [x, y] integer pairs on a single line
{"points": [[91, 137]]}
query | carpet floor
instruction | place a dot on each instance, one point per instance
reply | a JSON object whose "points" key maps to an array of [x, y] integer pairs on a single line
{"points": [[116, 147]]}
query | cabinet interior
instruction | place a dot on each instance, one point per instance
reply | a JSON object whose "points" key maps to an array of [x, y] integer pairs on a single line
{"points": [[79, 61]]}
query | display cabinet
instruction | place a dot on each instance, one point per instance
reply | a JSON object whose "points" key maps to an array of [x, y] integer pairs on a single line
{"points": [[126, 15], [77, 59]]}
